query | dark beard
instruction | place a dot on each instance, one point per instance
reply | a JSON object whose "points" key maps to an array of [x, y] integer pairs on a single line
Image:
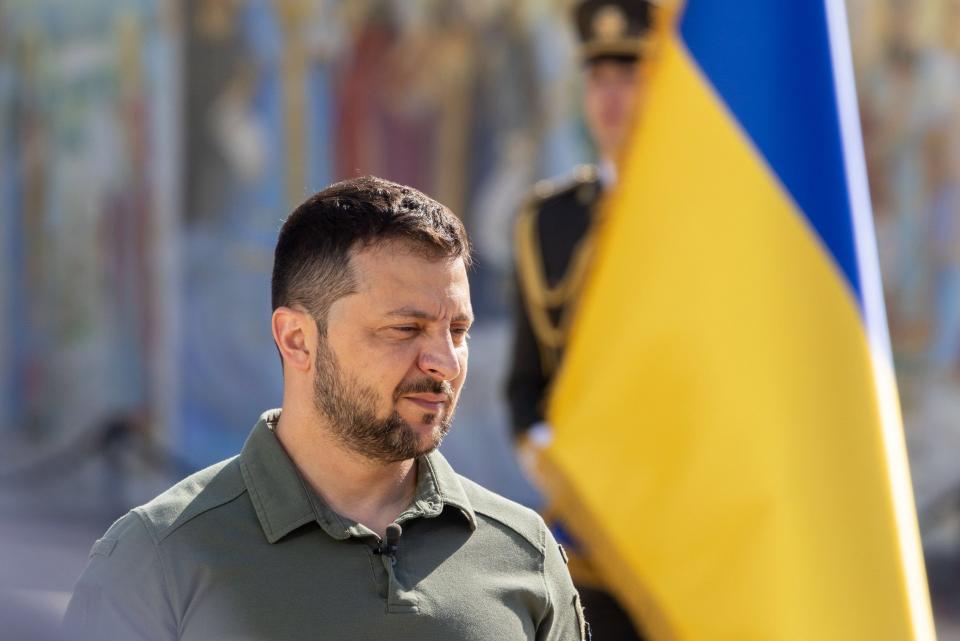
{"points": [[350, 409]]}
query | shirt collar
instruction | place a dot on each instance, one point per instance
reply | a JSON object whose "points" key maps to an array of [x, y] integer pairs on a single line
{"points": [[437, 479], [278, 493], [283, 502]]}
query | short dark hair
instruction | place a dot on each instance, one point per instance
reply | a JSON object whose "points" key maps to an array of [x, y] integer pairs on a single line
{"points": [[311, 264]]}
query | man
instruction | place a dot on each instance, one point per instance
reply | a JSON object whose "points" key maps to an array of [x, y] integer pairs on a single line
{"points": [[339, 519], [554, 248]]}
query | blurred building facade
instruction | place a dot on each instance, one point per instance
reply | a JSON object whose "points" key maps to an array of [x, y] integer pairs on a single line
{"points": [[151, 150]]}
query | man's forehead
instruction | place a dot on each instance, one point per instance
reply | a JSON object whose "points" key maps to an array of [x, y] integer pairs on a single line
{"points": [[401, 278], [410, 311], [396, 260]]}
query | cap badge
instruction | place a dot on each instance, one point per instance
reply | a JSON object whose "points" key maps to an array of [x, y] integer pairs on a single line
{"points": [[609, 23]]}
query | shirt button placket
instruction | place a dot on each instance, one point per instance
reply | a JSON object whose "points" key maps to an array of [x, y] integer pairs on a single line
{"points": [[399, 600]]}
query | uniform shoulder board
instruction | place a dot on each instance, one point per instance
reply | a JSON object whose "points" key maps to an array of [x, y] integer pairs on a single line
{"points": [[553, 187]]}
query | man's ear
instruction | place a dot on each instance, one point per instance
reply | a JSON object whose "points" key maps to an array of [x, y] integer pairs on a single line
{"points": [[294, 332]]}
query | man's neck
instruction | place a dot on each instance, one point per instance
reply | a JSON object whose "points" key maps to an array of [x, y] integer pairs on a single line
{"points": [[369, 492]]}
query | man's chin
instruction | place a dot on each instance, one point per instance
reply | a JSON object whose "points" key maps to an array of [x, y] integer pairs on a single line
{"points": [[429, 436], [422, 423], [428, 430]]}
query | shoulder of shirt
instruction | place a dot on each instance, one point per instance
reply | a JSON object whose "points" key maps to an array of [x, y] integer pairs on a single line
{"points": [[554, 190], [518, 518], [200, 492]]}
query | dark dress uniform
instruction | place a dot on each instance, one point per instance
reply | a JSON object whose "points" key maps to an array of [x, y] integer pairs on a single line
{"points": [[554, 248]]}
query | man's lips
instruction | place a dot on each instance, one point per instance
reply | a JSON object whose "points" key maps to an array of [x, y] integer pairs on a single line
{"points": [[432, 402]]}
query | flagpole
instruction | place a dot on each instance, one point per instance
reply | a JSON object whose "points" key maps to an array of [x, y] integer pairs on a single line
{"points": [[875, 322]]}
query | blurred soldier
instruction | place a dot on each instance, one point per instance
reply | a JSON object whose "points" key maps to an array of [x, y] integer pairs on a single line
{"points": [[554, 249]]}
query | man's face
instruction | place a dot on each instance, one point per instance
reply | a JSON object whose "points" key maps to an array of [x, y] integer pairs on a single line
{"points": [[611, 91], [394, 360]]}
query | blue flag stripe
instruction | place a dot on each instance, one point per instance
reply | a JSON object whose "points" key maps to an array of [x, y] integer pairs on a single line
{"points": [[770, 63]]}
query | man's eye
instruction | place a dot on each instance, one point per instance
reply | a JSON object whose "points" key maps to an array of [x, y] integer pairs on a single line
{"points": [[405, 329], [460, 332]]}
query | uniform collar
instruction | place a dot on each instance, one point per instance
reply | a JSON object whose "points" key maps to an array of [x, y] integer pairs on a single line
{"points": [[283, 502], [607, 174]]}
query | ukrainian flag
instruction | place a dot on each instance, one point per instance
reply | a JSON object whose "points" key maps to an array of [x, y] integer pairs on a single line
{"points": [[727, 438]]}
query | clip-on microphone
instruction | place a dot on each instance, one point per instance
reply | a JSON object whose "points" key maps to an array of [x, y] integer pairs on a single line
{"points": [[389, 545]]}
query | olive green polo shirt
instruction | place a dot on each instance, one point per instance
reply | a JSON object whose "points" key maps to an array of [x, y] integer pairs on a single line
{"points": [[243, 550]]}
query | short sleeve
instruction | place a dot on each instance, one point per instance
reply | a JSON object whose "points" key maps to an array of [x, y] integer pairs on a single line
{"points": [[564, 619], [122, 594]]}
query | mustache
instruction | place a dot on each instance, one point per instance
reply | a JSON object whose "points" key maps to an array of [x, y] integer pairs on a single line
{"points": [[424, 386]]}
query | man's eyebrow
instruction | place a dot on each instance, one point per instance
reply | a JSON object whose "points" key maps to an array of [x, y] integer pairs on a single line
{"points": [[410, 312]]}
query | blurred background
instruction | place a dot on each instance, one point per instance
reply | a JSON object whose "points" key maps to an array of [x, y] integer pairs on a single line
{"points": [[149, 150]]}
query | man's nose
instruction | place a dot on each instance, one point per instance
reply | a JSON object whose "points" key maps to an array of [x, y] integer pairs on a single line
{"points": [[438, 358]]}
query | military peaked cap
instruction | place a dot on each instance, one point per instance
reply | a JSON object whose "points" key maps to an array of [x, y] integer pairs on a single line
{"points": [[612, 28]]}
